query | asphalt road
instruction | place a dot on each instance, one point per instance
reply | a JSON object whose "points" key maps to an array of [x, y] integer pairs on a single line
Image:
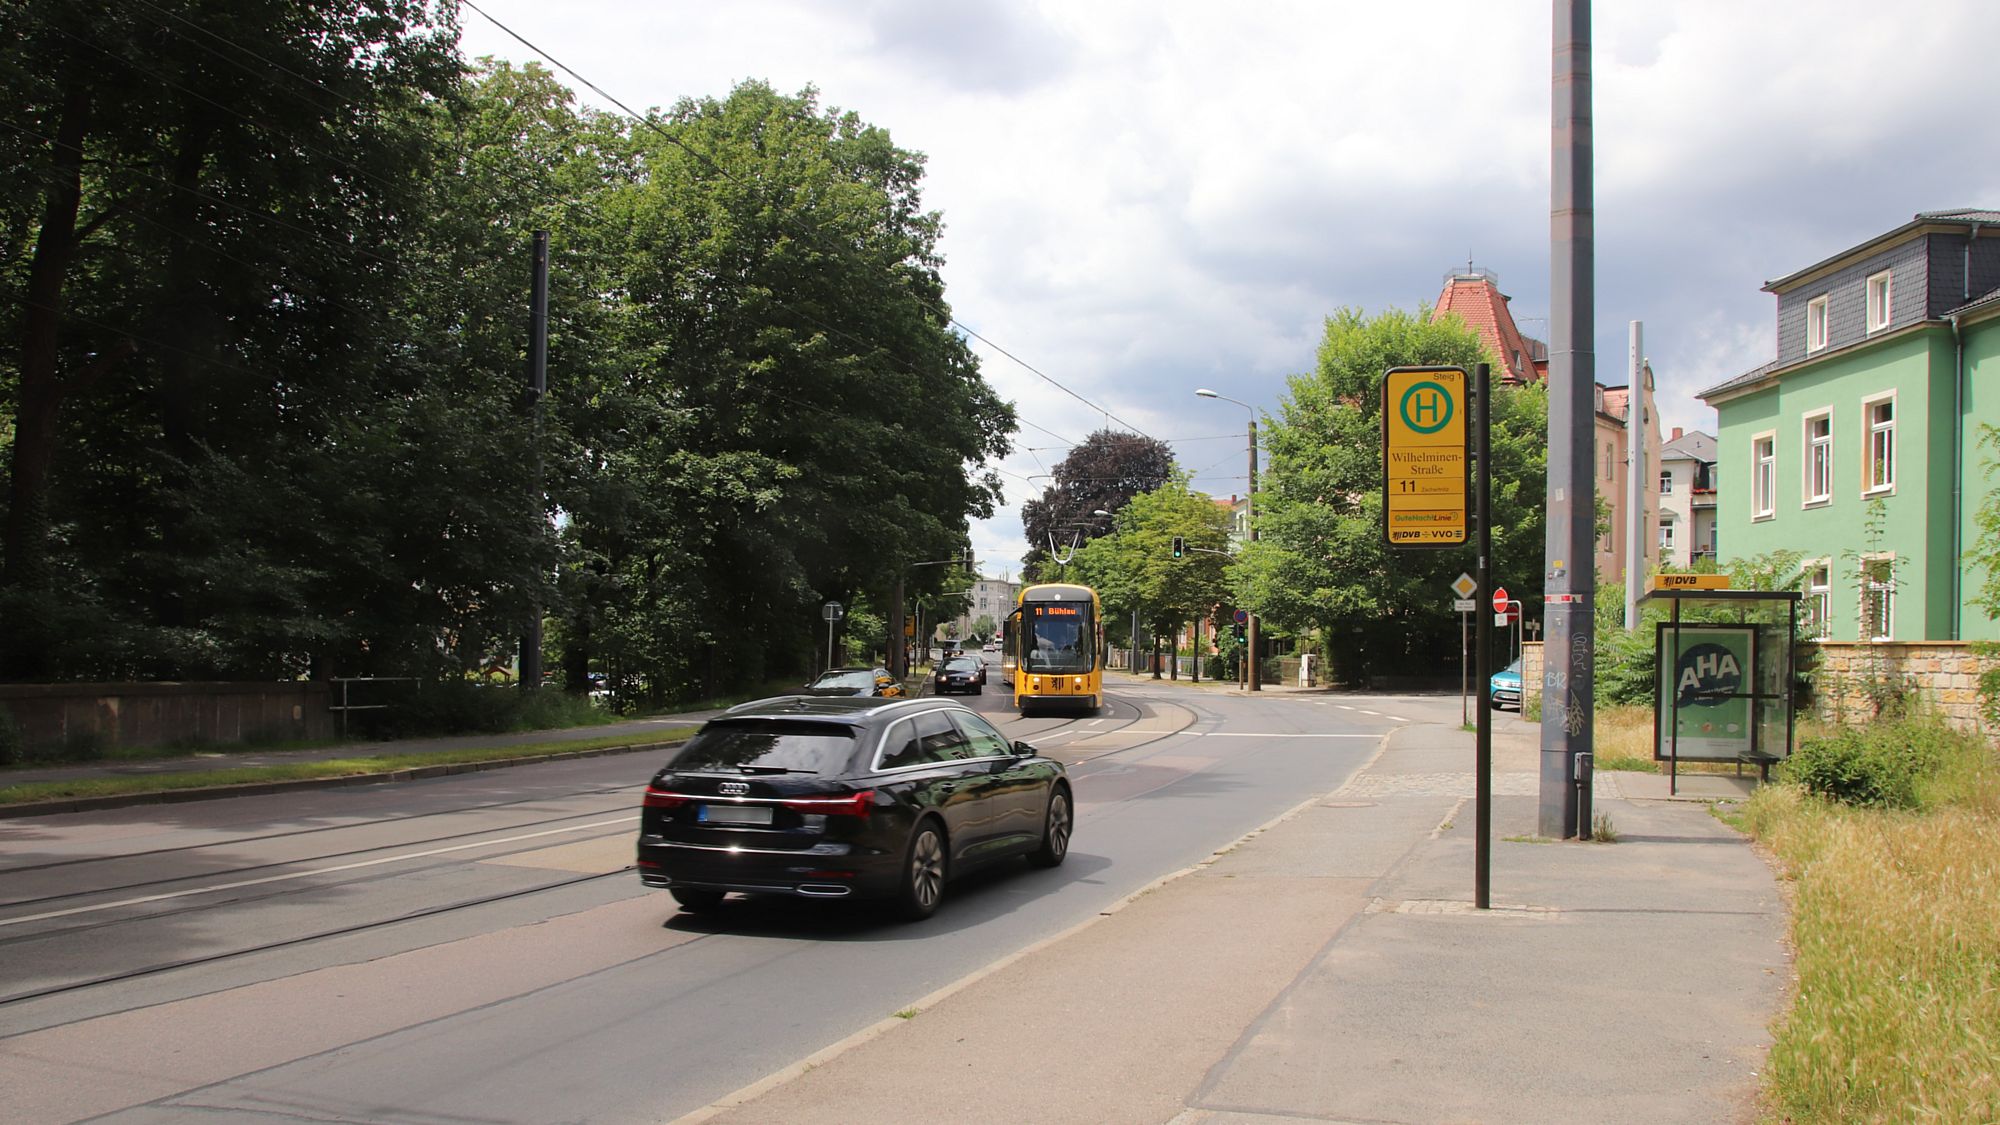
{"points": [[476, 949]]}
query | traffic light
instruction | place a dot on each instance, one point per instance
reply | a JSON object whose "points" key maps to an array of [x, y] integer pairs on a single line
{"points": [[1180, 546], [1240, 632]]}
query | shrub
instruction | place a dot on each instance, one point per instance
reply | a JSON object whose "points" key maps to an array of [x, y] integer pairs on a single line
{"points": [[1889, 765]]}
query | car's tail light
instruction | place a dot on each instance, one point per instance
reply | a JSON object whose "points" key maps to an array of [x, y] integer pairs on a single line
{"points": [[847, 804], [661, 799]]}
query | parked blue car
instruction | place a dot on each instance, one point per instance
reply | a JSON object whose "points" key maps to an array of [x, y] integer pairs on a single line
{"points": [[1504, 689]]}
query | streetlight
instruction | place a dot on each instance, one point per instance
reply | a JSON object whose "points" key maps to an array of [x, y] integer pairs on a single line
{"points": [[1249, 524]]}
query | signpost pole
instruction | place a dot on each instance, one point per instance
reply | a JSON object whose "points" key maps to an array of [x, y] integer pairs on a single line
{"points": [[1464, 686], [1483, 753]]}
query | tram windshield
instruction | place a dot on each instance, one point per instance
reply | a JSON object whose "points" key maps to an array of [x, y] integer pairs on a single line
{"points": [[1059, 638]]}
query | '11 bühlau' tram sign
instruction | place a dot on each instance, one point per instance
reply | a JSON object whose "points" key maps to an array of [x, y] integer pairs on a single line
{"points": [[1424, 482]]}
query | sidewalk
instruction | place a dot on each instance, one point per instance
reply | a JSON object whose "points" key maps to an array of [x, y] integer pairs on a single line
{"points": [[1330, 967]]}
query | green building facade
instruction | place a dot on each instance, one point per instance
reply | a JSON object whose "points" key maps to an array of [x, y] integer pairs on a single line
{"points": [[1860, 447]]}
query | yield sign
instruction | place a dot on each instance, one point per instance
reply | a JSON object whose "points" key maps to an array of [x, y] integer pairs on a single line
{"points": [[1464, 586], [1500, 599]]}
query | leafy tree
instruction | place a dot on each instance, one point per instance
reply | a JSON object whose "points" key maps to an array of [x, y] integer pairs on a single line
{"points": [[208, 199], [1321, 560], [1134, 565], [1103, 473]]}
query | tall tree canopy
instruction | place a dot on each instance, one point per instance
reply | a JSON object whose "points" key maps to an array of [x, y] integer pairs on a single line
{"points": [[1134, 568], [1321, 560], [1103, 473], [265, 277]]}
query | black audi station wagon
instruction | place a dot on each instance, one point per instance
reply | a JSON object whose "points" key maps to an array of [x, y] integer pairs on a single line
{"points": [[829, 797]]}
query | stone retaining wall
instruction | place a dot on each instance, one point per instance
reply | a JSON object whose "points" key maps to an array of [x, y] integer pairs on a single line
{"points": [[1944, 673]]}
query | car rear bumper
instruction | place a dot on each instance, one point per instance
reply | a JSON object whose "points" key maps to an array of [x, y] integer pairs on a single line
{"points": [[827, 871]]}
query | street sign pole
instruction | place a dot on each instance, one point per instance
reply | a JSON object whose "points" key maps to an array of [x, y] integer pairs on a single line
{"points": [[1482, 845]]}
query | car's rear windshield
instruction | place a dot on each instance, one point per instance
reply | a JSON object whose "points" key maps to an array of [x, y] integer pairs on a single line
{"points": [[846, 679], [758, 745]]}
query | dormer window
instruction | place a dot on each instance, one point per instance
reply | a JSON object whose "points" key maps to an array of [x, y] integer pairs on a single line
{"points": [[1816, 326], [1878, 301]]}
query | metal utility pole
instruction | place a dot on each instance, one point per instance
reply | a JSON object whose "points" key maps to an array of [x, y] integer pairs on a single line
{"points": [[1250, 533], [538, 382], [1635, 480], [1249, 525], [1570, 578]]}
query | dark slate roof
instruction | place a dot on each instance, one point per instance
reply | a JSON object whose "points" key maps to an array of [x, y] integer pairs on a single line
{"points": [[1984, 300], [1743, 380], [1693, 445], [1960, 216]]}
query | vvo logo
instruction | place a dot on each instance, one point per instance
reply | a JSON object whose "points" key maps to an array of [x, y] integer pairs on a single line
{"points": [[1708, 675]]}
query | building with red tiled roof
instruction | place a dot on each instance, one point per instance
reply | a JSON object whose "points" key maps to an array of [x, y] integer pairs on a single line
{"points": [[1473, 296]]}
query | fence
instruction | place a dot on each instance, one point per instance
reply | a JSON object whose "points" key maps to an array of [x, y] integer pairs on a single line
{"points": [[164, 713]]}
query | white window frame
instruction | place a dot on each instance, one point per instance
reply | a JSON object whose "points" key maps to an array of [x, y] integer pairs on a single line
{"points": [[1666, 537], [1880, 307], [1764, 475], [1873, 484], [1876, 626], [1816, 481], [1818, 327], [1819, 597], [1666, 482]]}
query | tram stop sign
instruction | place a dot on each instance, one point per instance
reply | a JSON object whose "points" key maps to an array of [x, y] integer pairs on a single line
{"points": [[831, 611], [1426, 491]]}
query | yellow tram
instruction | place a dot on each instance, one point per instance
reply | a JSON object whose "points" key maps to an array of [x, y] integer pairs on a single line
{"points": [[1054, 649]]}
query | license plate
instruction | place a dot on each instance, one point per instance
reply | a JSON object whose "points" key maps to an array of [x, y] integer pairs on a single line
{"points": [[735, 814]]}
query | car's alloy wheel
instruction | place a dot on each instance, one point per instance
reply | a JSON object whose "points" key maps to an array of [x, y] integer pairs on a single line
{"points": [[1055, 832], [923, 873]]}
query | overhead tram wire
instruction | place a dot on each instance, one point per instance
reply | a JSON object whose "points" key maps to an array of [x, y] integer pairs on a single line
{"points": [[649, 123], [470, 156]]}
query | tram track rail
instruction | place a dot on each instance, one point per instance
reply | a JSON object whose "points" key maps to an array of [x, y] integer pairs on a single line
{"points": [[155, 969]]}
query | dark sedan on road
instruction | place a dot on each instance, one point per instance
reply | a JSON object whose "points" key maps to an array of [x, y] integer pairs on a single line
{"points": [[823, 797], [855, 681], [959, 674]]}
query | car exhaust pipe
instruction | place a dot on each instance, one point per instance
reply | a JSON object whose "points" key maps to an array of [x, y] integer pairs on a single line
{"points": [[824, 890]]}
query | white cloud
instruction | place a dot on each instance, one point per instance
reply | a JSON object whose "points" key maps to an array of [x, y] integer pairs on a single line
{"points": [[1145, 197]]}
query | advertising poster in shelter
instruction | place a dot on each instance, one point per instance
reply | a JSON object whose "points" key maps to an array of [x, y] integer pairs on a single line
{"points": [[1703, 694]]}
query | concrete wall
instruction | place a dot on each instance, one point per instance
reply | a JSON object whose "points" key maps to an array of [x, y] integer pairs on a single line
{"points": [[162, 713]]}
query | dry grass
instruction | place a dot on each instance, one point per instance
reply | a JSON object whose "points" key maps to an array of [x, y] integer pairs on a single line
{"points": [[1897, 927]]}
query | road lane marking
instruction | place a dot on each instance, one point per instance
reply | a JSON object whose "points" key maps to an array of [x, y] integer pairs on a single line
{"points": [[304, 874], [1253, 734]]}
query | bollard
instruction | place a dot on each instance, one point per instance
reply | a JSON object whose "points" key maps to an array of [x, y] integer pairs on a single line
{"points": [[1583, 772]]}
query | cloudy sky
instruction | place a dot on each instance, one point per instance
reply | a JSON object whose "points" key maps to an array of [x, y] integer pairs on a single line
{"points": [[1143, 197]]}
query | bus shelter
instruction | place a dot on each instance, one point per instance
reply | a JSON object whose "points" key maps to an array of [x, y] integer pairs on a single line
{"points": [[1724, 680]]}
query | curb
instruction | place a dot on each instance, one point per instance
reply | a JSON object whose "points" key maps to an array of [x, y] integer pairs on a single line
{"points": [[264, 788]]}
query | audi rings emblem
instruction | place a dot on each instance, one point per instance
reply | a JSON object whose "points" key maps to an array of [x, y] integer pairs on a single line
{"points": [[734, 788]]}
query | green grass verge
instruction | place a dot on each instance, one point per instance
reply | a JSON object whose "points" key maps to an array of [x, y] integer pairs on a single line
{"points": [[27, 792], [1897, 1011]]}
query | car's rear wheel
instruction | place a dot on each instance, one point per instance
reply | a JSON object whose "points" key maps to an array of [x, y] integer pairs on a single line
{"points": [[1056, 828], [695, 899], [923, 873]]}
